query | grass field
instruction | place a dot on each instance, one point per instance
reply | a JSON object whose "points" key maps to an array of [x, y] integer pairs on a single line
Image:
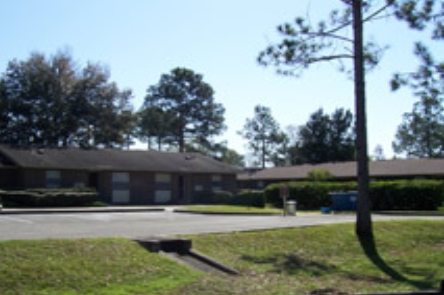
{"points": [[92, 266], [232, 209], [407, 256]]}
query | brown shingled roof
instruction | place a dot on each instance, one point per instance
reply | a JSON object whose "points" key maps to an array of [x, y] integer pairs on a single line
{"points": [[114, 160], [389, 168]]}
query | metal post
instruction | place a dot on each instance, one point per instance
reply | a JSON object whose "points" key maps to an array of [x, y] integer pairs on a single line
{"points": [[284, 199], [283, 192]]}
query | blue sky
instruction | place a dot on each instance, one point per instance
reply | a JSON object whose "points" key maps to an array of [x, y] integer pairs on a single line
{"points": [[139, 40]]}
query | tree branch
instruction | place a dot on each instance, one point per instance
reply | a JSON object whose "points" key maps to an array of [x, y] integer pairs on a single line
{"points": [[326, 34], [330, 58], [348, 23], [374, 14]]}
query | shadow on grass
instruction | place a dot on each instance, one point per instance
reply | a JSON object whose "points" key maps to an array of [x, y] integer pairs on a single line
{"points": [[368, 244], [291, 264]]}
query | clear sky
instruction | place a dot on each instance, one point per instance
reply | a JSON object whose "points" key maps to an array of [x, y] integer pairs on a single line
{"points": [[139, 40]]}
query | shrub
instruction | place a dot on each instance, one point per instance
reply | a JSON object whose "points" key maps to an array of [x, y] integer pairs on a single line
{"points": [[385, 195], [221, 197], [49, 198], [407, 195], [213, 198], [61, 190], [308, 195], [249, 198], [319, 175], [19, 199]]}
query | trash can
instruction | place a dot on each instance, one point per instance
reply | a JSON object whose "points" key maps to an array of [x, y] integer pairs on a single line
{"points": [[344, 201], [325, 210], [291, 207]]}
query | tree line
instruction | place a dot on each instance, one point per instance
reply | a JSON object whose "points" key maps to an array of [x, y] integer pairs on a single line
{"points": [[52, 102], [323, 138]]}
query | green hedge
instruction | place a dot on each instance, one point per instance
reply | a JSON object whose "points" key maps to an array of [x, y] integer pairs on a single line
{"points": [[309, 195], [243, 198], [212, 198], [249, 198], [48, 198], [385, 195], [407, 195]]}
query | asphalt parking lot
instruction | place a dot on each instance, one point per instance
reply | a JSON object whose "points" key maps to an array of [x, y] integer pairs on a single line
{"points": [[143, 224]]}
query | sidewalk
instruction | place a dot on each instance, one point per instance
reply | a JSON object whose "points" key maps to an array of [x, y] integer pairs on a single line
{"points": [[105, 209]]}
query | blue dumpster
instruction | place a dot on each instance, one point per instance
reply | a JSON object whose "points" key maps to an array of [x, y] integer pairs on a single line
{"points": [[344, 201]]}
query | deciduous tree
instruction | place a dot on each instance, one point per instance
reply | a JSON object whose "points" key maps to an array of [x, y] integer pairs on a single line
{"points": [[51, 102]]}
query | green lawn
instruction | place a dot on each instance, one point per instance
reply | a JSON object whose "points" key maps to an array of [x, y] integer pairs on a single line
{"points": [[87, 266], [408, 256], [232, 209]]}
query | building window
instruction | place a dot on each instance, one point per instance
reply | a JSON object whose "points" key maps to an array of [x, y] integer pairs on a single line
{"points": [[216, 188], [198, 188], [217, 182], [121, 196], [162, 196], [163, 178], [52, 179], [216, 178], [260, 184], [120, 177]]}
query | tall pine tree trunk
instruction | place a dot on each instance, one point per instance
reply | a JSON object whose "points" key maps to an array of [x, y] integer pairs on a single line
{"points": [[263, 154], [181, 143], [364, 221]]}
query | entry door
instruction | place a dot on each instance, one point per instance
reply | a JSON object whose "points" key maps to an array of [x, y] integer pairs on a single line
{"points": [[121, 188], [93, 180], [183, 193], [181, 189]]}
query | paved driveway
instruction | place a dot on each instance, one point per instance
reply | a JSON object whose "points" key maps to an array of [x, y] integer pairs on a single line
{"points": [[141, 224]]}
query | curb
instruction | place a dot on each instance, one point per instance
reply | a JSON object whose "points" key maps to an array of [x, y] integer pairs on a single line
{"points": [[225, 213], [80, 210], [411, 213]]}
